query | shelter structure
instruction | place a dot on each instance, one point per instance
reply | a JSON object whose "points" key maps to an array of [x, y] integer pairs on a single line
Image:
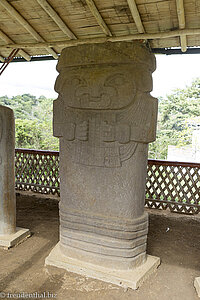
{"points": [[41, 27], [104, 117]]}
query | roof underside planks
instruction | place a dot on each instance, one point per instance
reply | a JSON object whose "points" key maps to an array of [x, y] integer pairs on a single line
{"points": [[43, 27]]}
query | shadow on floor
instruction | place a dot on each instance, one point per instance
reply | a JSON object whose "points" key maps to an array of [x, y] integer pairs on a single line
{"points": [[175, 239]]}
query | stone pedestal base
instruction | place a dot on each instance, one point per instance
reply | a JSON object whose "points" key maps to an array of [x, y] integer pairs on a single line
{"points": [[8, 241], [125, 278], [197, 285]]}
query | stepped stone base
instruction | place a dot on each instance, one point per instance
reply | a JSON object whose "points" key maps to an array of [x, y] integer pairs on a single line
{"points": [[132, 278], [197, 285], [11, 240]]}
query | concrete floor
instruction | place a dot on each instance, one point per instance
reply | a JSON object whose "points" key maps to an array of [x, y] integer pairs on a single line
{"points": [[174, 238]]}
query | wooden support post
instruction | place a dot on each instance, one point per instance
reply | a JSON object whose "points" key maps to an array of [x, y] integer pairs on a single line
{"points": [[181, 21]]}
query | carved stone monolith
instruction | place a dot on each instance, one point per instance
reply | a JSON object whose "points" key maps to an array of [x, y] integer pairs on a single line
{"points": [[104, 117], [9, 234]]}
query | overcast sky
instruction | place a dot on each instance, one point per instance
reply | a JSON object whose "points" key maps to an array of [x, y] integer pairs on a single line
{"points": [[38, 78]]}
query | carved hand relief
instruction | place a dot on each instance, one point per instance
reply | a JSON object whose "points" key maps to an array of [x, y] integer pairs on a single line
{"points": [[96, 139]]}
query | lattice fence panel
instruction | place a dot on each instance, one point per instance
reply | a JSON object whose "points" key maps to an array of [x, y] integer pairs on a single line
{"points": [[37, 171], [170, 185], [173, 185]]}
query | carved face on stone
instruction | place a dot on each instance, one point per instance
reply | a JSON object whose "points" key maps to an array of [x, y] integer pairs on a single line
{"points": [[98, 88]]}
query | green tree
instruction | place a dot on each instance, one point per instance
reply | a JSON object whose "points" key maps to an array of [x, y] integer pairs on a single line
{"points": [[27, 134], [33, 121], [176, 114]]}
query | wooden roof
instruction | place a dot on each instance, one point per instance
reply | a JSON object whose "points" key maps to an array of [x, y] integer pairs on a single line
{"points": [[41, 27]]}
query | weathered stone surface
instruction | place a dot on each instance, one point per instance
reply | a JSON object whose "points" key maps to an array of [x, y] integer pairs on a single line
{"points": [[105, 117], [8, 234], [7, 178], [197, 285], [132, 278], [10, 240]]}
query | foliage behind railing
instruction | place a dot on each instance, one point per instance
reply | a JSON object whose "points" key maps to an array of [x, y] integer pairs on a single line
{"points": [[173, 185], [37, 171]]}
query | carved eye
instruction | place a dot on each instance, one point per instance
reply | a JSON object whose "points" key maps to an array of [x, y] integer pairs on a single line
{"points": [[116, 80], [77, 81]]}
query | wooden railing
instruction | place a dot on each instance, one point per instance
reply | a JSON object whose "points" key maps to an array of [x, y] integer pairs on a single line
{"points": [[173, 185], [170, 185], [37, 171]]}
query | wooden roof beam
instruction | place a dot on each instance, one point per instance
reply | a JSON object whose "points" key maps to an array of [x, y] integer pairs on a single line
{"points": [[98, 17], [136, 15], [97, 40], [181, 21], [56, 18], [7, 40], [15, 14]]}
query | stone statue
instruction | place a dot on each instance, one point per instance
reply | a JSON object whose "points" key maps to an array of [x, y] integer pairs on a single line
{"points": [[7, 177], [105, 117], [9, 234]]}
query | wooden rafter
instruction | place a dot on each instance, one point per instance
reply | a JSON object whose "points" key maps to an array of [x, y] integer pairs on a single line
{"points": [[56, 18], [181, 21], [8, 40], [136, 16], [8, 60], [98, 17], [131, 37], [15, 14]]}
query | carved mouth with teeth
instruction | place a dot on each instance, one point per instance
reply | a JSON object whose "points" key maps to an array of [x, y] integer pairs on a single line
{"points": [[87, 100]]}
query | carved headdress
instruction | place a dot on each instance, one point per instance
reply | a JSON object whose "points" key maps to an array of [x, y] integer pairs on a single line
{"points": [[112, 53]]}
